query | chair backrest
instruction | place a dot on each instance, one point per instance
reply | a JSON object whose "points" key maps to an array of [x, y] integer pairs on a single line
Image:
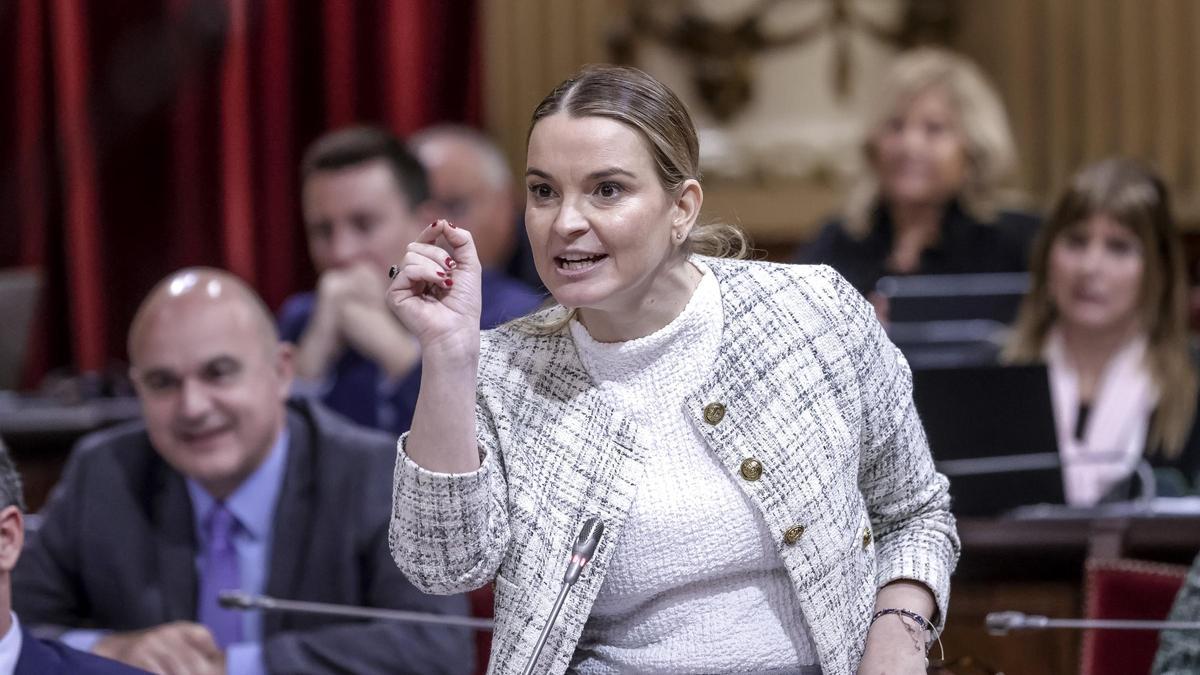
{"points": [[1126, 589]]}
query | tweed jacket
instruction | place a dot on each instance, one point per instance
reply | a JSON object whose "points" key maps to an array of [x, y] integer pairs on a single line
{"points": [[806, 382]]}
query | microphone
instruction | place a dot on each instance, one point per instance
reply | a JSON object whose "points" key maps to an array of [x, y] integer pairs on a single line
{"points": [[1000, 623], [584, 548], [581, 555], [241, 601]]}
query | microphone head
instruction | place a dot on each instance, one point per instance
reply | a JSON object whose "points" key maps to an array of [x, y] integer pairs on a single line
{"points": [[235, 600], [588, 539], [999, 623]]}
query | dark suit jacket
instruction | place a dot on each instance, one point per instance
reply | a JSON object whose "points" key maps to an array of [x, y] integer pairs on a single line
{"points": [[47, 657], [116, 550]]}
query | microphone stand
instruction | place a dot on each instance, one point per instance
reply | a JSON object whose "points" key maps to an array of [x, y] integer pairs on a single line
{"points": [[244, 601], [1000, 623], [581, 555]]}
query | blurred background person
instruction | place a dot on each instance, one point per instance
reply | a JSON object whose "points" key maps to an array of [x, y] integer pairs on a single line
{"points": [[20, 651], [471, 186], [361, 197], [1107, 313], [226, 485], [939, 152]]}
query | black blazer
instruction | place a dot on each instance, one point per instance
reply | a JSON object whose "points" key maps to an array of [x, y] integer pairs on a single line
{"points": [[116, 550], [1173, 476], [966, 246]]}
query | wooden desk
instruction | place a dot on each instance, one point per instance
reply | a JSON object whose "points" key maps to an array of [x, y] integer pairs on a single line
{"points": [[1037, 567]]}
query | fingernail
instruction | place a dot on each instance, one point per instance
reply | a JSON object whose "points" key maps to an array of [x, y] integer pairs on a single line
{"points": [[441, 274], [393, 271], [449, 283], [451, 225], [450, 263]]}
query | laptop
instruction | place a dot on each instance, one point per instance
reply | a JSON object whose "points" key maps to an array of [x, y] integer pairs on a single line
{"points": [[991, 431], [946, 320], [19, 292]]}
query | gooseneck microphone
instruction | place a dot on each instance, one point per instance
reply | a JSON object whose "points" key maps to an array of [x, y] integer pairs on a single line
{"points": [[1000, 623], [245, 601], [581, 555]]}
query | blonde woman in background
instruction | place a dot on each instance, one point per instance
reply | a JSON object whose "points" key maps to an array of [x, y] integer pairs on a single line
{"points": [[1107, 313], [939, 155]]}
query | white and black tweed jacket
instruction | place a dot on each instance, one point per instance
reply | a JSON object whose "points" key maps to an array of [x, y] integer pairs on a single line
{"points": [[811, 388]]}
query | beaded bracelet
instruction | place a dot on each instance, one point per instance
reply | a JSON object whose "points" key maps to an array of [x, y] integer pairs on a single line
{"points": [[921, 621]]}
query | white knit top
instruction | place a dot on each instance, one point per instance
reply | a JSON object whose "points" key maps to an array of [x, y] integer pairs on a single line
{"points": [[695, 584]]}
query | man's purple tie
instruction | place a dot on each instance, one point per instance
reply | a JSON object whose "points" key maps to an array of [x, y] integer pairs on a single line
{"points": [[219, 572]]}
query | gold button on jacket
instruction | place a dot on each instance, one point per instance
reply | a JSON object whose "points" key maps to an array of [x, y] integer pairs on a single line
{"points": [[866, 537], [714, 412], [751, 469], [793, 534]]}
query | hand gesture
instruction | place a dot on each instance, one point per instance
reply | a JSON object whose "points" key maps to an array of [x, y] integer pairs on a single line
{"points": [[435, 295]]}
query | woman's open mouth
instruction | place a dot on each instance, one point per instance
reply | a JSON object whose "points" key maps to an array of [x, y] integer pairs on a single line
{"points": [[578, 262]]}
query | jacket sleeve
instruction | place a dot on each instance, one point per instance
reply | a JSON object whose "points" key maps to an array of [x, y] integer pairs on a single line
{"points": [[379, 647], [907, 500], [449, 532], [1179, 650]]}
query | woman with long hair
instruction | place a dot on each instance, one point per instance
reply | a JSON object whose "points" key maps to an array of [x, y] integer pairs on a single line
{"points": [[939, 166], [1107, 313]]}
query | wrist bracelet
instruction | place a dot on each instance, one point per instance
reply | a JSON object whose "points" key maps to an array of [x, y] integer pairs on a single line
{"points": [[921, 621]]}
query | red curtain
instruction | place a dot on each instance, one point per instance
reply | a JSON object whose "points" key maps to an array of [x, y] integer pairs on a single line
{"points": [[145, 135]]}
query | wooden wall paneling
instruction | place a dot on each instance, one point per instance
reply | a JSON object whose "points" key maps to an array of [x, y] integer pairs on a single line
{"points": [[1097, 28], [1061, 114], [500, 74], [1186, 24], [1019, 84], [1082, 79], [531, 45], [1166, 77], [1132, 74]]}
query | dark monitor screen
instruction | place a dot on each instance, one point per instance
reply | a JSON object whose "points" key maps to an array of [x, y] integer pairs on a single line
{"points": [[947, 320], [991, 431]]}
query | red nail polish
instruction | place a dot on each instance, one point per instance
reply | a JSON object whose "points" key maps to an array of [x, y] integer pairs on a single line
{"points": [[441, 274], [450, 263], [449, 283], [451, 225]]}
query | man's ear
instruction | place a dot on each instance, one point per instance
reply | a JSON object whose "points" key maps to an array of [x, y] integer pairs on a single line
{"points": [[12, 537], [285, 367]]}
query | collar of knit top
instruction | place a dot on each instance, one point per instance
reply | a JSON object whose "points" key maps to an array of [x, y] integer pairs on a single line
{"points": [[698, 326]]}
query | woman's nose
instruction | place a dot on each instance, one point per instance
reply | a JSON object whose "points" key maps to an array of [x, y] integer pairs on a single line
{"points": [[570, 220]]}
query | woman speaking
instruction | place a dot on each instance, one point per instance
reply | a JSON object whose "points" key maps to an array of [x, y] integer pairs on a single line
{"points": [[744, 430]]}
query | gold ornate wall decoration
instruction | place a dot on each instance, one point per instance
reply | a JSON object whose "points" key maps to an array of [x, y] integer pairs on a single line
{"points": [[776, 86], [723, 51]]}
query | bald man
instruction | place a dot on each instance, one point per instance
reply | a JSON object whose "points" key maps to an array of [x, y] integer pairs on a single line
{"points": [[471, 186], [226, 484]]}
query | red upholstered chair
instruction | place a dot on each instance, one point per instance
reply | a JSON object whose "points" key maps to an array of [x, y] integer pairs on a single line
{"points": [[481, 600], [1126, 589]]}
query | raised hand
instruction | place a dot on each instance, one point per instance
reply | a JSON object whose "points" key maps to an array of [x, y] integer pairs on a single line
{"points": [[437, 295]]}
